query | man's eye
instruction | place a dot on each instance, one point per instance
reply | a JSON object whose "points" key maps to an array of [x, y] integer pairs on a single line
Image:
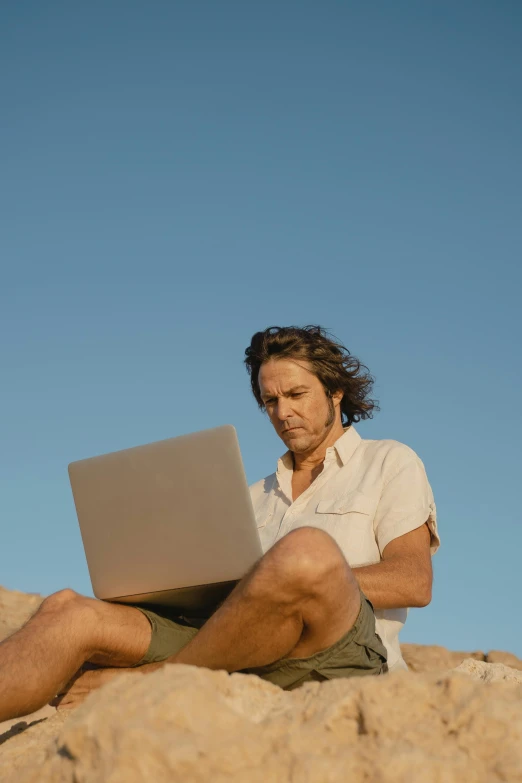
{"points": [[297, 394]]}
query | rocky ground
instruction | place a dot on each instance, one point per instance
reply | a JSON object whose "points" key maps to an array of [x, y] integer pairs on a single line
{"points": [[455, 717]]}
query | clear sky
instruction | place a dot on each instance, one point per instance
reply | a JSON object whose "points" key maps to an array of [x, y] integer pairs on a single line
{"points": [[179, 175]]}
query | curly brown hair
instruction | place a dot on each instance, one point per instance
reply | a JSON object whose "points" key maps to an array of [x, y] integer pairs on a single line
{"points": [[331, 362]]}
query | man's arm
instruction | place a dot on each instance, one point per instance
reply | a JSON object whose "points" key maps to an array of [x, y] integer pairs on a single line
{"points": [[404, 576]]}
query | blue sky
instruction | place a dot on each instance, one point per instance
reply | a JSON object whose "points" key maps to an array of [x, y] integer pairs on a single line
{"points": [[177, 176]]}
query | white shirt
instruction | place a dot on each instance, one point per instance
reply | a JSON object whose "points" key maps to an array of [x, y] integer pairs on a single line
{"points": [[368, 493]]}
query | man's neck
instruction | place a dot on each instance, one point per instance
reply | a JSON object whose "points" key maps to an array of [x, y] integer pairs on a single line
{"points": [[310, 461]]}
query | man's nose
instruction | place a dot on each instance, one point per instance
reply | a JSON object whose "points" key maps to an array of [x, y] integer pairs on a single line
{"points": [[284, 409]]}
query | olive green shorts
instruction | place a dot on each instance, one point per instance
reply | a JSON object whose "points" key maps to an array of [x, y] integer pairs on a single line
{"points": [[358, 653]]}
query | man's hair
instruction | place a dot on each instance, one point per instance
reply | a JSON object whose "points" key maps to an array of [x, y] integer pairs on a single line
{"points": [[330, 361]]}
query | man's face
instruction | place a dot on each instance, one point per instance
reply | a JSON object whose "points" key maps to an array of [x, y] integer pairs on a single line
{"points": [[300, 411]]}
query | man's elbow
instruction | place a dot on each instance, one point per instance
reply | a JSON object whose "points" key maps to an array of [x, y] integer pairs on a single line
{"points": [[423, 594]]}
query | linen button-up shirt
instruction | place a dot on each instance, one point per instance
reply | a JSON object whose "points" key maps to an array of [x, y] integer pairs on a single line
{"points": [[368, 493]]}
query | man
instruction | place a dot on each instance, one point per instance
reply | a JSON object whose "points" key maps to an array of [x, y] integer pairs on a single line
{"points": [[344, 522]]}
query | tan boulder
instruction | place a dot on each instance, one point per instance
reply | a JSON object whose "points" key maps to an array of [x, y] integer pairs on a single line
{"points": [[432, 658], [188, 724], [489, 672], [15, 609], [193, 725], [507, 658]]}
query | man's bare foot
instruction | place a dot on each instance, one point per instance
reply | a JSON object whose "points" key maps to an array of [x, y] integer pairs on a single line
{"points": [[83, 683]]}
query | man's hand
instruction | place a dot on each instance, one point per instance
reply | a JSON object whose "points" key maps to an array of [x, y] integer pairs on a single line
{"points": [[404, 576]]}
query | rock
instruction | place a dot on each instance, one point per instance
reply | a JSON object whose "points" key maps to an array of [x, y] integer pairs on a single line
{"points": [[192, 725], [15, 609], [26, 744], [9, 728], [508, 659], [188, 724], [431, 658], [489, 672]]}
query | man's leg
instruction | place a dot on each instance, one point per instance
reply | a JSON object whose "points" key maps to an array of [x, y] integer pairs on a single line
{"points": [[37, 661], [301, 598]]}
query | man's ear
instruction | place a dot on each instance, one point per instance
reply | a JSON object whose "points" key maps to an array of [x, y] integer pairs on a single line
{"points": [[337, 397]]}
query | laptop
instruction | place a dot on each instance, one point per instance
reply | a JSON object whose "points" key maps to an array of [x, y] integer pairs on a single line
{"points": [[168, 523]]}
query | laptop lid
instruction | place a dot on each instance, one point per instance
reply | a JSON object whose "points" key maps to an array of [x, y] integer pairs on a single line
{"points": [[171, 514]]}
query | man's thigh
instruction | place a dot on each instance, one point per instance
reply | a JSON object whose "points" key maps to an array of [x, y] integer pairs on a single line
{"points": [[358, 653], [327, 590]]}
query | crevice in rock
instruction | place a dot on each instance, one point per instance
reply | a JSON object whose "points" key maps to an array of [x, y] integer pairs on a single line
{"points": [[65, 753], [361, 723], [19, 728]]}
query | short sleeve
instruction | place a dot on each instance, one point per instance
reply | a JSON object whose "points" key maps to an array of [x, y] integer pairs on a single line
{"points": [[405, 504]]}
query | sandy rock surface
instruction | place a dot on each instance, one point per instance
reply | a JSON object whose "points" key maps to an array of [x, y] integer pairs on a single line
{"points": [[489, 672], [188, 724], [424, 658], [508, 659], [15, 609]]}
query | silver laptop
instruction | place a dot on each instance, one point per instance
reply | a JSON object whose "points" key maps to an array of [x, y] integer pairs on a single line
{"points": [[167, 523]]}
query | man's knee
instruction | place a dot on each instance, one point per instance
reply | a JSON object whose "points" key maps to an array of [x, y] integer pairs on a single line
{"points": [[308, 552], [306, 560], [61, 599], [70, 606]]}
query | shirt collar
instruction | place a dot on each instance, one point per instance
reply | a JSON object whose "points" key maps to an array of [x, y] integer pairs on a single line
{"points": [[346, 445]]}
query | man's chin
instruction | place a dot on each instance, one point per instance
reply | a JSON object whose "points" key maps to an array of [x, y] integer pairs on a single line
{"points": [[296, 442]]}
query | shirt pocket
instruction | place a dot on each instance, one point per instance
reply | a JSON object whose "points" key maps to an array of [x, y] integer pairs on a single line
{"points": [[349, 520], [352, 503]]}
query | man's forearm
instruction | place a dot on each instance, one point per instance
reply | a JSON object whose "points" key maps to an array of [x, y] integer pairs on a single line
{"points": [[395, 583]]}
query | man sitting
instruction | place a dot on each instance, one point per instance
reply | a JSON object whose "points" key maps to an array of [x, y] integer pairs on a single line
{"points": [[346, 526]]}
